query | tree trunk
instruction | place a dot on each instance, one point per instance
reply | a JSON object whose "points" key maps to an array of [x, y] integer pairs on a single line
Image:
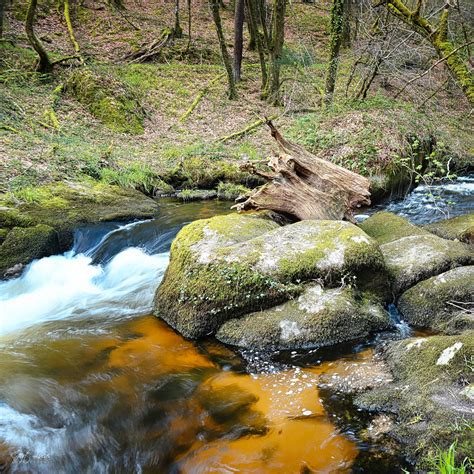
{"points": [[2, 14], [252, 45], [272, 89], [44, 64], [238, 38], [346, 29], [177, 30], [189, 23], [117, 4], [337, 24], [214, 5], [306, 187], [252, 15]]}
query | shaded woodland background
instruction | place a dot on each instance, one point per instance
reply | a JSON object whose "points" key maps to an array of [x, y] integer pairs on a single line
{"points": [[172, 95]]}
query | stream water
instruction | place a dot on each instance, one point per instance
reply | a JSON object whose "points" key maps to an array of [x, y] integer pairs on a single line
{"points": [[91, 382]]}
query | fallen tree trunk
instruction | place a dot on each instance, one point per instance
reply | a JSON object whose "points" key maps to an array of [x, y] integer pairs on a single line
{"points": [[306, 187]]}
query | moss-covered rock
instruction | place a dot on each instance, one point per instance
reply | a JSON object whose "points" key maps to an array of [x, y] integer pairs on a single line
{"points": [[317, 318], [457, 228], [441, 302], [386, 227], [230, 265], [415, 258], [430, 376], [112, 102], [24, 244], [63, 207]]}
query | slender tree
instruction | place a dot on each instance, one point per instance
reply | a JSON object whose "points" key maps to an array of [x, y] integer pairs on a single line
{"points": [[214, 6], [177, 30], [337, 25], [72, 37], [238, 38], [252, 18], [272, 89], [189, 23], [2, 14], [44, 63]]}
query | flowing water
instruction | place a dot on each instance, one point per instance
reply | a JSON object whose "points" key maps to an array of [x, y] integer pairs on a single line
{"points": [[91, 382]]}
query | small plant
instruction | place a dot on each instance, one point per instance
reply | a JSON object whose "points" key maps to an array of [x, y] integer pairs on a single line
{"points": [[444, 462]]}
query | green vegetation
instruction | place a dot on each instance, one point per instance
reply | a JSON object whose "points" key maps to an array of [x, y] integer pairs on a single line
{"points": [[444, 462]]}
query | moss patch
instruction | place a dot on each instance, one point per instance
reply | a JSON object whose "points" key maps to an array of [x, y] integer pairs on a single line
{"points": [[24, 244], [386, 227], [457, 228], [429, 376], [316, 318], [112, 102]]}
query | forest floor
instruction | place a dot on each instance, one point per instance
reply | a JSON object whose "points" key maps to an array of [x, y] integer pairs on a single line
{"points": [[63, 127]]}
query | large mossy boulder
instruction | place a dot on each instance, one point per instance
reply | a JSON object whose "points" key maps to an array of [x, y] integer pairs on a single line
{"points": [[429, 394], [442, 303], [457, 228], [413, 254], [61, 208], [318, 317], [24, 244], [226, 266]]}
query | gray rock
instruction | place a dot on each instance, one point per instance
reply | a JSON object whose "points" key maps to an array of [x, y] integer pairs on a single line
{"points": [[317, 318]]}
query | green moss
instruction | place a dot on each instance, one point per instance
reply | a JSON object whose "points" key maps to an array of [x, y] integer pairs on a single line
{"points": [[426, 394], [457, 228], [386, 227], [438, 302], [231, 191], [196, 195], [24, 244], [108, 100], [317, 318]]}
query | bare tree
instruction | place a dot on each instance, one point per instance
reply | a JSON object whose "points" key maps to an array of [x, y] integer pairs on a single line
{"points": [[214, 6], [2, 14], [44, 63], [337, 26], [252, 18], [272, 89], [177, 30], [238, 38]]}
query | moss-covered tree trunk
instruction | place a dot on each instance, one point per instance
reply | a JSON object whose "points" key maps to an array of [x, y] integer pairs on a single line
{"points": [[214, 6], [337, 25], [44, 63], [238, 38], [252, 18], [272, 88], [177, 30], [189, 22], [437, 35]]}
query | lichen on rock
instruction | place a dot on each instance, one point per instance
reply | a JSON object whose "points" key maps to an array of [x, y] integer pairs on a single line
{"points": [[442, 303], [226, 266], [428, 394], [317, 318]]}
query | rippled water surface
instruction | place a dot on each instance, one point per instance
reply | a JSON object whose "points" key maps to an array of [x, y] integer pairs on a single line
{"points": [[90, 382]]}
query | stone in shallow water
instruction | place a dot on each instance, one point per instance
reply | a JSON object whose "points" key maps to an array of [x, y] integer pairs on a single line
{"points": [[443, 302], [317, 318], [227, 266]]}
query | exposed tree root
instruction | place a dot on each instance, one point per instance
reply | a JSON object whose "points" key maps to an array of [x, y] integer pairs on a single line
{"points": [[306, 187]]}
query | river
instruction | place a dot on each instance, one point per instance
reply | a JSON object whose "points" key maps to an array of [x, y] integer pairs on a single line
{"points": [[91, 382]]}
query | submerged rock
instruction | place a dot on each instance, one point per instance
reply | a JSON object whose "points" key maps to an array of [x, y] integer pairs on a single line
{"points": [[24, 244], [227, 266], [412, 254], [428, 394], [443, 302], [317, 318], [457, 228]]}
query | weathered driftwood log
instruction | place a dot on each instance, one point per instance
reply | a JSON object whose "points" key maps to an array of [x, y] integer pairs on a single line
{"points": [[306, 187]]}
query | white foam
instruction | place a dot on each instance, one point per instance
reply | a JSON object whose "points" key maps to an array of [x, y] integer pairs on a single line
{"points": [[62, 286]]}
